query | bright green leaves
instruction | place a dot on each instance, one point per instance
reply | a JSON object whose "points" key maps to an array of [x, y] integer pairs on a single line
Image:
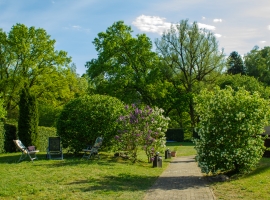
{"points": [[85, 118], [229, 128], [28, 59], [125, 65]]}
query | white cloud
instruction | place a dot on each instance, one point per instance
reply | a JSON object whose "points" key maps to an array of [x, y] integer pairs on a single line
{"points": [[209, 27], [217, 35], [153, 24], [263, 41], [158, 25], [268, 27], [203, 18], [217, 20]]}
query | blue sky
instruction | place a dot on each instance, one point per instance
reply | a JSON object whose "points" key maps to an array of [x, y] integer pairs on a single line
{"points": [[238, 25]]}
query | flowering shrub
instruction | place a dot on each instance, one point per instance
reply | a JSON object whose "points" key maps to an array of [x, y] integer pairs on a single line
{"points": [[144, 128], [230, 126]]}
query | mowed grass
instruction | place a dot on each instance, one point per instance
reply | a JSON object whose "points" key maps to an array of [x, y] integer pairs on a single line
{"points": [[255, 185], [73, 178]]}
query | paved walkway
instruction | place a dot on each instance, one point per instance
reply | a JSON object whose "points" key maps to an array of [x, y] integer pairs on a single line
{"points": [[182, 180]]}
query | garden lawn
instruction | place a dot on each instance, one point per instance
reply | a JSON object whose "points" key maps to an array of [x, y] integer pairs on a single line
{"points": [[255, 185], [73, 178]]}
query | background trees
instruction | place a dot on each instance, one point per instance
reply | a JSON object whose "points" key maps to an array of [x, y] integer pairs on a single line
{"points": [[28, 59], [257, 62], [235, 64], [126, 67], [192, 56]]}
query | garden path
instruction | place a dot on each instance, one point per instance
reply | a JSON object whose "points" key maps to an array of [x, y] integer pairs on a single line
{"points": [[181, 180]]}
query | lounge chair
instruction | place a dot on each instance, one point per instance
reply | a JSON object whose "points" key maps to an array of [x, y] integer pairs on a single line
{"points": [[93, 150], [54, 150], [30, 151]]}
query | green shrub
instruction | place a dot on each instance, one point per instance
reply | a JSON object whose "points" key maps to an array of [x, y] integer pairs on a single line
{"points": [[42, 138], [10, 135], [142, 127], [230, 127], [83, 119], [2, 138]]}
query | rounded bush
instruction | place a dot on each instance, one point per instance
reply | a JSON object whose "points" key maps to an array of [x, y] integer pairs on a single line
{"points": [[83, 119]]}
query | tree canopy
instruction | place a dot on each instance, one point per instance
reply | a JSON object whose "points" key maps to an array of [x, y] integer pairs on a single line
{"points": [[28, 59], [192, 55], [257, 62], [235, 64], [126, 67]]}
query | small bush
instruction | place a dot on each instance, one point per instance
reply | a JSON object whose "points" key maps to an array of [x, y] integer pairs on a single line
{"points": [[83, 119]]}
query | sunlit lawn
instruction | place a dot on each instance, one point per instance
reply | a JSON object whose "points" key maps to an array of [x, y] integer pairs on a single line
{"points": [[110, 178], [73, 178]]}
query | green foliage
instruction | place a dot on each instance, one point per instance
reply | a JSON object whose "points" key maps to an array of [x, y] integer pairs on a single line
{"points": [[2, 138], [48, 114], [250, 84], [192, 57], [43, 134], [126, 67], [10, 135], [230, 128], [85, 118], [144, 127], [28, 118], [235, 64], [257, 62], [2, 109], [28, 59]]}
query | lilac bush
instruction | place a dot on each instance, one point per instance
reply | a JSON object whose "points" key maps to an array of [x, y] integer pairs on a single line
{"points": [[142, 128]]}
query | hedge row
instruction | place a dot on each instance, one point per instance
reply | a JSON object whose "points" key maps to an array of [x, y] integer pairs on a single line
{"points": [[8, 132], [2, 138]]}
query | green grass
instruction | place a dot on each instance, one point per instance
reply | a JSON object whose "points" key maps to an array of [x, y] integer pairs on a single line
{"points": [[73, 178], [110, 178], [255, 185]]}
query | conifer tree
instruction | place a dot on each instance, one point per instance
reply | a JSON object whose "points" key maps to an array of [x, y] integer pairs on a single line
{"points": [[28, 118]]}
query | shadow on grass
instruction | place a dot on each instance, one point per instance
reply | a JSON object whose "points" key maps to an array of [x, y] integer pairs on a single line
{"points": [[127, 182]]}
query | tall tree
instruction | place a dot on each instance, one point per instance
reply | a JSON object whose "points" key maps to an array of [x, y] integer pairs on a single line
{"points": [[28, 58], [126, 67], [235, 64], [257, 62], [193, 56], [28, 118]]}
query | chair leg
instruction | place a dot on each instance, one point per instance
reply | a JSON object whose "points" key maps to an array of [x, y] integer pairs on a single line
{"points": [[23, 156]]}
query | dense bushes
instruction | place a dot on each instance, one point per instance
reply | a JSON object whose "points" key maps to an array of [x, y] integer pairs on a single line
{"points": [[85, 118], [230, 127]]}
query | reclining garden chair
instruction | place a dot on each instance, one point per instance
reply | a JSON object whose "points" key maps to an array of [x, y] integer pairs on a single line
{"points": [[93, 150], [54, 150], [30, 151]]}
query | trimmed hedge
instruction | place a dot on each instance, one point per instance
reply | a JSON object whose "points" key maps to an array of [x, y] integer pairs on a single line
{"points": [[42, 137], [175, 135], [10, 135], [2, 138]]}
